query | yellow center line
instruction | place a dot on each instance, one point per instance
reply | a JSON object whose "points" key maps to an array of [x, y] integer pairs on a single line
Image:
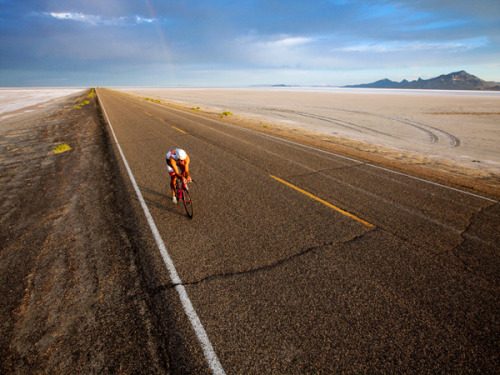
{"points": [[323, 201], [149, 114], [182, 131]]}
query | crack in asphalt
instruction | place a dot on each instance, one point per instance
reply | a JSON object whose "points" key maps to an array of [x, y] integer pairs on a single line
{"points": [[453, 141], [266, 267], [467, 237]]}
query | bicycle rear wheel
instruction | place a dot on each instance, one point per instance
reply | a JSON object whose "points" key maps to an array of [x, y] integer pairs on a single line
{"points": [[188, 205]]}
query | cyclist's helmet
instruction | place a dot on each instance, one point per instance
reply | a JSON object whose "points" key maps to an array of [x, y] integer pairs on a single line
{"points": [[181, 154]]}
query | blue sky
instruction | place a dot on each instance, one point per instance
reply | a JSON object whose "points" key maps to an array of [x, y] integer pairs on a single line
{"points": [[231, 43]]}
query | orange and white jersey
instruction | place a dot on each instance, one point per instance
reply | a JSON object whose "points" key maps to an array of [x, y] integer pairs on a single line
{"points": [[176, 154]]}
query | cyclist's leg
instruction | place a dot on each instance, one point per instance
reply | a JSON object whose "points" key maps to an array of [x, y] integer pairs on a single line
{"points": [[173, 180], [173, 186]]}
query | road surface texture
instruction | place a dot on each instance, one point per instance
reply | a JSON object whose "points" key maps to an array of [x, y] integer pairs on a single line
{"points": [[297, 260], [283, 283]]}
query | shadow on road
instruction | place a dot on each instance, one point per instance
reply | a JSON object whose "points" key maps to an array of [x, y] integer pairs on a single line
{"points": [[161, 201]]}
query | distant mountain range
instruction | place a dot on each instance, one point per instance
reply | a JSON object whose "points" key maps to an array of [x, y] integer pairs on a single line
{"points": [[453, 81]]}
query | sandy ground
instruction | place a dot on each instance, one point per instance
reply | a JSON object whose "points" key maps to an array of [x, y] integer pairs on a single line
{"points": [[72, 293], [457, 132]]}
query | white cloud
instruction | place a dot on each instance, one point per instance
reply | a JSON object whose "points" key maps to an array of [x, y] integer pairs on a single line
{"points": [[98, 20], [274, 50], [80, 17], [397, 46], [286, 42], [62, 15], [140, 19]]}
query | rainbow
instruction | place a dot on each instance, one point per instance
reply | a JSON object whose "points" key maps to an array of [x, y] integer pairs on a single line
{"points": [[163, 40]]}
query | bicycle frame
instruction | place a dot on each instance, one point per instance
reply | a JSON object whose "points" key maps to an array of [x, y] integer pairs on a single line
{"points": [[180, 188], [182, 192]]}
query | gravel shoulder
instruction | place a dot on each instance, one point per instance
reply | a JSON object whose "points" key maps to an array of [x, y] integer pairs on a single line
{"points": [[73, 295]]}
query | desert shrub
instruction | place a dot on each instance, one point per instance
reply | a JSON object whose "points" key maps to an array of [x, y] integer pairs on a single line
{"points": [[61, 148]]}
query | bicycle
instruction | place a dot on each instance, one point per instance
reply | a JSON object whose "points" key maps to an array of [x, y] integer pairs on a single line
{"points": [[182, 192]]}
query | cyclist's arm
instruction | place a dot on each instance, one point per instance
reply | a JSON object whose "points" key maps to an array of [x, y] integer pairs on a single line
{"points": [[187, 175], [175, 167]]}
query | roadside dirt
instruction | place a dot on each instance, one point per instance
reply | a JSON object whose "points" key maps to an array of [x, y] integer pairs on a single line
{"points": [[73, 295]]}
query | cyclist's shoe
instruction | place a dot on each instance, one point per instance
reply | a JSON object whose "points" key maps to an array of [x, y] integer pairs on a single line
{"points": [[174, 199]]}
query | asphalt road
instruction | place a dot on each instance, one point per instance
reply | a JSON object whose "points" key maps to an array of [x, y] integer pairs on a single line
{"points": [[403, 280]]}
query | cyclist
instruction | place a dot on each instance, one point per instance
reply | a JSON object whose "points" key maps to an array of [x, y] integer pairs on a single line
{"points": [[177, 167]]}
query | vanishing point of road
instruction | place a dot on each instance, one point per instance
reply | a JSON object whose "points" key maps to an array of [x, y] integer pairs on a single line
{"points": [[302, 261]]}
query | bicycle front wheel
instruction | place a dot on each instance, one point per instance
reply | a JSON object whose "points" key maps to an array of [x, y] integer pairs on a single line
{"points": [[188, 205]]}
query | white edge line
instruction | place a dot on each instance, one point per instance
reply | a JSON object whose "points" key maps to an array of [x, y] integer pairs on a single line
{"points": [[195, 321]]}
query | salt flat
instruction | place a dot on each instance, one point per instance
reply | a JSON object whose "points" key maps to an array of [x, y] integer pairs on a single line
{"points": [[457, 129], [14, 99]]}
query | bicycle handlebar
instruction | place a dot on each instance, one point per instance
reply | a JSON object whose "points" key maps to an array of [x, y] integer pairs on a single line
{"points": [[184, 183]]}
